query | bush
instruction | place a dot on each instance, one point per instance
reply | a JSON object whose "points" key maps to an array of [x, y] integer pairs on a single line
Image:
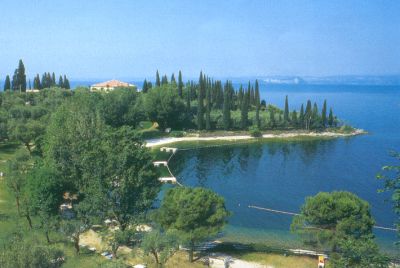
{"points": [[177, 134], [255, 132], [150, 134], [346, 129]]}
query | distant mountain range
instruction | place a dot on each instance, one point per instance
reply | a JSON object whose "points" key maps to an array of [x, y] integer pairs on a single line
{"points": [[334, 80]]}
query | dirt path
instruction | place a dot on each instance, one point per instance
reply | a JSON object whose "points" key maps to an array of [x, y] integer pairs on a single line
{"points": [[217, 261]]}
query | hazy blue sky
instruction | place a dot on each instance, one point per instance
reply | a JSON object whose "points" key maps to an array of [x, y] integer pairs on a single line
{"points": [[131, 39]]}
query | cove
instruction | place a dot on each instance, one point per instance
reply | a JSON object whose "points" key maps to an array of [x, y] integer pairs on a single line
{"points": [[281, 174]]}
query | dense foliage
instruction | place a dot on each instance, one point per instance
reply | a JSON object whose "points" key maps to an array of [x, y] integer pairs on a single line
{"points": [[340, 222], [196, 214], [391, 178]]}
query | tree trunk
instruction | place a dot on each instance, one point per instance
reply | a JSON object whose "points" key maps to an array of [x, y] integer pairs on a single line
{"points": [[47, 236], [114, 251], [18, 207], [191, 252], [156, 257], [28, 146], [29, 220], [76, 243]]}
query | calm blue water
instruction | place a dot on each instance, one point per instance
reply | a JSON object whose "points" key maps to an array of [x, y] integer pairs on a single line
{"points": [[280, 175]]}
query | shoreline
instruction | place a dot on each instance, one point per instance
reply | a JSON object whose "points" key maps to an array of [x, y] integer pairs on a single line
{"points": [[326, 134]]}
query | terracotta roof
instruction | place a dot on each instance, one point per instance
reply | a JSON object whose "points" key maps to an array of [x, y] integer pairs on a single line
{"points": [[112, 83]]}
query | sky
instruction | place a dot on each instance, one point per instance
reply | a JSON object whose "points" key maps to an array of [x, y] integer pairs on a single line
{"points": [[236, 38]]}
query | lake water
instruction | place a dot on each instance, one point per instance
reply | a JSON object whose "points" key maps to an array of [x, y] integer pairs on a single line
{"points": [[280, 175]]}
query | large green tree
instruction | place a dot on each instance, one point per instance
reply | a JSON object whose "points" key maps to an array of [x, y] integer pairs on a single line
{"points": [[161, 245], [391, 177], [45, 191], [200, 102], [180, 84], [19, 78], [244, 110], [286, 111], [196, 214], [7, 83], [358, 253], [257, 104], [328, 217], [324, 120], [226, 110], [132, 180], [16, 175], [163, 105]]}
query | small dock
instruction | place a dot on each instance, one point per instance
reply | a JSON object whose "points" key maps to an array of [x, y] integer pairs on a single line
{"points": [[167, 179], [160, 163], [168, 149]]}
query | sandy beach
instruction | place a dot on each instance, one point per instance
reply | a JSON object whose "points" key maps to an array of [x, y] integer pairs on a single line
{"points": [[168, 140]]}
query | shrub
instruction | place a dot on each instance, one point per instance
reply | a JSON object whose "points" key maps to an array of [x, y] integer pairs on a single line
{"points": [[255, 132], [346, 129], [150, 134], [177, 134]]}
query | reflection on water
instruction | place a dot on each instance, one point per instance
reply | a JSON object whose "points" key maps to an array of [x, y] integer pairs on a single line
{"points": [[279, 175]]}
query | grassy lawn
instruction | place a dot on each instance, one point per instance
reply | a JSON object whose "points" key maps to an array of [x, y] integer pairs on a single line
{"points": [[10, 223]]}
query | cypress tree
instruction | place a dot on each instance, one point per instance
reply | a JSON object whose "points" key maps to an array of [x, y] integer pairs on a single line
{"points": [[226, 108], [14, 82], [240, 97], [208, 107], [44, 83], [308, 115], [257, 100], [330, 118], [244, 118], [53, 80], [315, 116], [145, 87], [272, 118], [30, 86], [21, 77], [158, 82], [315, 111], [60, 82], [164, 80], [286, 112], [66, 83], [149, 85], [200, 104], [180, 84], [188, 96], [173, 81], [323, 115], [252, 96], [39, 84], [7, 83], [294, 118], [301, 116]]}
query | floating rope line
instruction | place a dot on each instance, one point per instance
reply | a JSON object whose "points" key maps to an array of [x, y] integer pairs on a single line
{"points": [[251, 206], [296, 214]]}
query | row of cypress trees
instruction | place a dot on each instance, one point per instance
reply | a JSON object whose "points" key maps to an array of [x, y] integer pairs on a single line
{"points": [[18, 82], [213, 94]]}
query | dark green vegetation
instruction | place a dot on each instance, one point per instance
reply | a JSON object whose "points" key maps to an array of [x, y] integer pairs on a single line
{"points": [[76, 159], [84, 152], [340, 223], [391, 178], [195, 214], [19, 84]]}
